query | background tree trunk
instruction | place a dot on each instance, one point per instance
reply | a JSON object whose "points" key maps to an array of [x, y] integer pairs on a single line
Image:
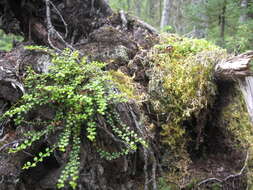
{"points": [[165, 14], [223, 22], [243, 16]]}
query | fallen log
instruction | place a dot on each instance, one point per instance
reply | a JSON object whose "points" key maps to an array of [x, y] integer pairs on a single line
{"points": [[236, 67], [124, 43]]}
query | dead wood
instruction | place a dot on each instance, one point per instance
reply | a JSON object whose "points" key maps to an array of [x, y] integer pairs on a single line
{"points": [[236, 67]]}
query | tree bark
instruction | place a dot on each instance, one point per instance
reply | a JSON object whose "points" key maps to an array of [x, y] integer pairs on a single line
{"points": [[138, 8], [165, 14], [223, 22], [243, 16]]}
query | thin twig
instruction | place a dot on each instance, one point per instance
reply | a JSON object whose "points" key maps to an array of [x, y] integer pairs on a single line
{"points": [[209, 179], [228, 177], [242, 170], [51, 29], [61, 17], [9, 144]]}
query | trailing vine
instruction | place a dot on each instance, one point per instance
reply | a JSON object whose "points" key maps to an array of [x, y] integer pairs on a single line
{"points": [[79, 93]]}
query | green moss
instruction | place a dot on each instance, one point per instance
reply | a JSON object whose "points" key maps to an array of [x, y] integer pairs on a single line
{"points": [[125, 84], [237, 122], [181, 84]]}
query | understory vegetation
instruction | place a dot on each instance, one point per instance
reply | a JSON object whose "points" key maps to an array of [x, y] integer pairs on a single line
{"points": [[181, 91], [182, 83], [82, 95], [7, 40], [96, 97]]}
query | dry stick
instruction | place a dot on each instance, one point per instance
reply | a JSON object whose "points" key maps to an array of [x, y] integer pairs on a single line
{"points": [[123, 19], [242, 170], [146, 25], [209, 179], [11, 143], [230, 176], [61, 17], [51, 29]]}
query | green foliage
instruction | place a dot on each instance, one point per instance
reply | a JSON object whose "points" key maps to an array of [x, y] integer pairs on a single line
{"points": [[181, 84], [207, 16], [79, 92], [6, 40], [148, 10]]}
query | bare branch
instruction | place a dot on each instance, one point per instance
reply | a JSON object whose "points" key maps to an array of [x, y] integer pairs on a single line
{"points": [[51, 29], [228, 177]]}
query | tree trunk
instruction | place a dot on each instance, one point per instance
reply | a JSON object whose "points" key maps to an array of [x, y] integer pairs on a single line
{"points": [[152, 12], [138, 8], [165, 14], [243, 16], [223, 22]]}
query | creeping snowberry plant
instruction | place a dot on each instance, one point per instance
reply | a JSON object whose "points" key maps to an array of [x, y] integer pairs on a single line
{"points": [[79, 93]]}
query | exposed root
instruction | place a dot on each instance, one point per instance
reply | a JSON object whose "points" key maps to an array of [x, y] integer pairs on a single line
{"points": [[123, 19], [225, 182], [62, 19], [51, 30]]}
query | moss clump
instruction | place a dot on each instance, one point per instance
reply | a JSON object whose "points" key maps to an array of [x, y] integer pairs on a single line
{"points": [[181, 88], [125, 85], [181, 84], [236, 120]]}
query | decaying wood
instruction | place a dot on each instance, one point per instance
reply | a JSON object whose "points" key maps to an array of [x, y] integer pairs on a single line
{"points": [[92, 28], [236, 67]]}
